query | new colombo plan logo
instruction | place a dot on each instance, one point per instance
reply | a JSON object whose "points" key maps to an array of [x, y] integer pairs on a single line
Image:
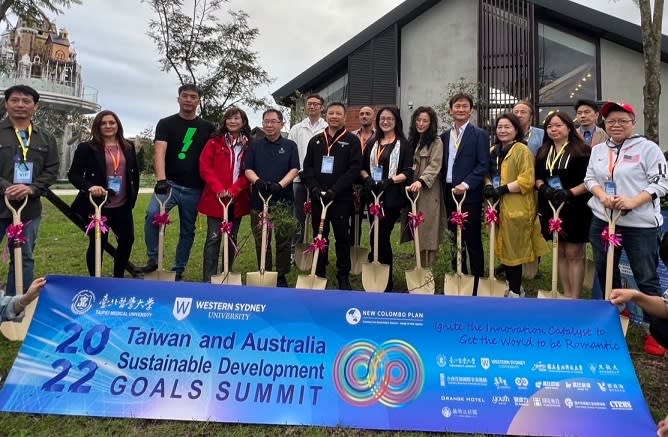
{"points": [[391, 373]]}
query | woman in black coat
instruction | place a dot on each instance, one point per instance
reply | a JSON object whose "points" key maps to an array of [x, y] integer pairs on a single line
{"points": [[107, 163]]}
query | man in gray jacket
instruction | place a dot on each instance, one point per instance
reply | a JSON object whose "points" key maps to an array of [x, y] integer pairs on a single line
{"points": [[28, 166]]}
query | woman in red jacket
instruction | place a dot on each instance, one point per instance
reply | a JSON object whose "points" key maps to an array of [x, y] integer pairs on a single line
{"points": [[221, 169]]}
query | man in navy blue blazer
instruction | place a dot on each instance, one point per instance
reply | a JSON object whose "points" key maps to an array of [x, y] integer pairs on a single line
{"points": [[465, 164]]}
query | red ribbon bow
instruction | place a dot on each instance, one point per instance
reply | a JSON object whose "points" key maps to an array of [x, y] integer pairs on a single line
{"points": [[227, 228], [161, 219], [102, 222], [308, 207], [554, 225], [415, 220], [459, 218], [16, 235], [376, 210], [491, 216], [318, 244], [264, 218], [608, 238]]}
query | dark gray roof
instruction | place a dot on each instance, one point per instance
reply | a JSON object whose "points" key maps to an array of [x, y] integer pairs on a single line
{"points": [[566, 12], [56, 39]]}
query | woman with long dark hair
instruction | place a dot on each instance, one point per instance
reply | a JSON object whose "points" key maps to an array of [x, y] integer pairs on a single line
{"points": [[387, 166], [427, 162], [512, 179], [221, 169], [561, 166], [107, 163]]}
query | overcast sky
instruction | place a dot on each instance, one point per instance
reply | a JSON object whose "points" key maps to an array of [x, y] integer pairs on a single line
{"points": [[120, 61]]}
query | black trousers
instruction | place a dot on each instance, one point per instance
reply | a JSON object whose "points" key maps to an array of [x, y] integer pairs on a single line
{"points": [[471, 235], [120, 222], [659, 330], [385, 255], [338, 217]]}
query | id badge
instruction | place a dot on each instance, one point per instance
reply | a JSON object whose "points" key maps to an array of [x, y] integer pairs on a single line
{"points": [[114, 183], [377, 173], [496, 181], [610, 188], [327, 165], [555, 183], [23, 172]]}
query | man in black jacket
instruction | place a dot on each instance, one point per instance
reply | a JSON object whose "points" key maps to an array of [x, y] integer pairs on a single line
{"points": [[332, 163]]}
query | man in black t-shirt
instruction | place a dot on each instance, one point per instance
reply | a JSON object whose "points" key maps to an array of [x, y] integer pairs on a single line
{"points": [[179, 140]]}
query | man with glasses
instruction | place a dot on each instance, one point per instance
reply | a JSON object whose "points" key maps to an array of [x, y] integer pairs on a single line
{"points": [[627, 175], [587, 115], [533, 136], [272, 163], [301, 133]]}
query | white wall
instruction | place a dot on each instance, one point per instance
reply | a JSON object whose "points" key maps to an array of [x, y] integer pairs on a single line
{"points": [[622, 79], [438, 47]]}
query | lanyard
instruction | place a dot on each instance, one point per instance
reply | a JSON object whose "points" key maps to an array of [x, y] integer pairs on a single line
{"points": [[457, 137], [363, 139], [556, 157], [115, 159], [334, 140], [527, 137], [23, 141], [613, 164], [380, 149]]}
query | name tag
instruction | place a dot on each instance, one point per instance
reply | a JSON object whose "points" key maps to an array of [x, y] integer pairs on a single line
{"points": [[555, 183], [496, 181], [327, 165], [610, 188], [377, 173], [23, 172], [114, 183]]}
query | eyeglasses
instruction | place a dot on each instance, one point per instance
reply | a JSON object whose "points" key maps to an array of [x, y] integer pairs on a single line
{"points": [[618, 122], [269, 122], [386, 119], [314, 104]]}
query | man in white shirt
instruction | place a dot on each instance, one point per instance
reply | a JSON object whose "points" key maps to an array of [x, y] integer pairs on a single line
{"points": [[301, 133]]}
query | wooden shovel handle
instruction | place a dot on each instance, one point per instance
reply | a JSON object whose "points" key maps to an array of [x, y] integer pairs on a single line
{"points": [[226, 248], [18, 252], [416, 235]]}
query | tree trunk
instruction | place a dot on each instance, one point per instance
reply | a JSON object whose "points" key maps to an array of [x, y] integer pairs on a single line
{"points": [[651, 38]]}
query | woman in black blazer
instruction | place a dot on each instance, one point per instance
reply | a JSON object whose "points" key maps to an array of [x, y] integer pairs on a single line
{"points": [[107, 163]]}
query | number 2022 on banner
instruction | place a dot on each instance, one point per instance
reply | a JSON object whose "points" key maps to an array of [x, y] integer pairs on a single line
{"points": [[94, 342]]}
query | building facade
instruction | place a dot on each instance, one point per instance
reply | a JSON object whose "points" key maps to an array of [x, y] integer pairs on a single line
{"points": [[550, 52]]}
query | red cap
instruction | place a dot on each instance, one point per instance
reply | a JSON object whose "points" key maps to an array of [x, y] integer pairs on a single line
{"points": [[617, 106]]}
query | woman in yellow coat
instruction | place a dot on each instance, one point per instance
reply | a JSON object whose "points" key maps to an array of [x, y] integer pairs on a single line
{"points": [[512, 178]]}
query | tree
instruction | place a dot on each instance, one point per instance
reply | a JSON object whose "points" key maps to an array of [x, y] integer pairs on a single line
{"points": [[145, 151], [31, 9], [651, 23], [474, 89], [211, 54]]}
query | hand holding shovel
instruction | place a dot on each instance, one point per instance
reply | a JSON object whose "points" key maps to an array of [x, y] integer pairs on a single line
{"points": [[312, 281], [16, 331], [375, 275], [226, 277], [418, 280]]}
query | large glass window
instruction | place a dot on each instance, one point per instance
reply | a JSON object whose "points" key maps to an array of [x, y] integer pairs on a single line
{"points": [[566, 67], [336, 91]]}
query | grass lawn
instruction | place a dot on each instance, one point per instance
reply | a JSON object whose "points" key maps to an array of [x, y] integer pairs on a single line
{"points": [[61, 249]]}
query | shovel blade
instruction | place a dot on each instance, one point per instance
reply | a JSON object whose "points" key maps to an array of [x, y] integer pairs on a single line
{"points": [[491, 287], [259, 279], [458, 285], [375, 277], [311, 282], [625, 324], [161, 275], [420, 281], [227, 279], [542, 294], [16, 331], [303, 257], [529, 270], [358, 256]]}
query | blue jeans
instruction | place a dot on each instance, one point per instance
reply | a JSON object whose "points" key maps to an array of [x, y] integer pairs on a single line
{"points": [[186, 199], [642, 248], [30, 231]]}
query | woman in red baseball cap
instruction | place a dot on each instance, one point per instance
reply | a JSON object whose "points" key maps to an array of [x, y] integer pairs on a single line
{"points": [[627, 173]]}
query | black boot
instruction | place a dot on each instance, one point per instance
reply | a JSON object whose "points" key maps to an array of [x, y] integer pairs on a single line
{"points": [[344, 283]]}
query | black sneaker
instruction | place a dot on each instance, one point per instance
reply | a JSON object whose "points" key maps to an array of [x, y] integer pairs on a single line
{"points": [[282, 282], [151, 266], [178, 277], [344, 283]]}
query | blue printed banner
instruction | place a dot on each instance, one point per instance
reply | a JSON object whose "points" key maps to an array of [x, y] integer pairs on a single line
{"points": [[128, 348]]}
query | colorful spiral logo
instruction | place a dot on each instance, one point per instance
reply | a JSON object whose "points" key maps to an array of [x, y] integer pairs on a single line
{"points": [[391, 373]]}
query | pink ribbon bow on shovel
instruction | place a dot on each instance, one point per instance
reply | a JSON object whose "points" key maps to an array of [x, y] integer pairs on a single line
{"points": [[377, 210], [608, 238], [415, 220], [459, 218], [161, 219], [102, 221], [16, 235], [554, 225], [318, 244], [491, 216], [227, 228], [265, 218], [308, 207]]}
